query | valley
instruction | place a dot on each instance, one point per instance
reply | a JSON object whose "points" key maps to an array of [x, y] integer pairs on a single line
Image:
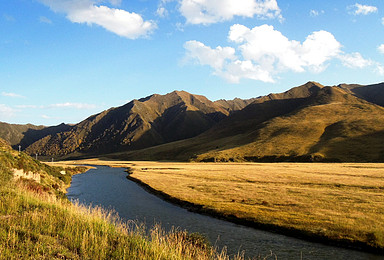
{"points": [[305, 162], [338, 204]]}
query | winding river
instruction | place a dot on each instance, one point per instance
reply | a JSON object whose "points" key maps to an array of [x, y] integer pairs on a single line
{"points": [[109, 188]]}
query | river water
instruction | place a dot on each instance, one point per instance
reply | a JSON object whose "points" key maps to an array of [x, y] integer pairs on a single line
{"points": [[109, 188]]}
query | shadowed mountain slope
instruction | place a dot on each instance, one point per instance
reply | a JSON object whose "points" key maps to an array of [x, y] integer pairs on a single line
{"points": [[235, 104], [307, 123], [150, 121], [25, 135], [13, 133]]}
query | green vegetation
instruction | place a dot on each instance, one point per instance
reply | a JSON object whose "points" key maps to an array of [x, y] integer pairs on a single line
{"points": [[37, 223]]}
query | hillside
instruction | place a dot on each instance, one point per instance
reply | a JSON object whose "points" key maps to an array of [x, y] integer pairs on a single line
{"points": [[307, 123], [142, 123], [25, 135], [38, 222], [14, 133], [372, 93]]}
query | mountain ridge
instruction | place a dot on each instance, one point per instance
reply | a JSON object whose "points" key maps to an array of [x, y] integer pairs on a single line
{"points": [[326, 123], [307, 122], [140, 123]]}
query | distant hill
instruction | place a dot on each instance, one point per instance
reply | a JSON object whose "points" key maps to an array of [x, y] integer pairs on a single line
{"points": [[25, 135], [13, 133], [142, 123], [307, 123], [310, 122]]}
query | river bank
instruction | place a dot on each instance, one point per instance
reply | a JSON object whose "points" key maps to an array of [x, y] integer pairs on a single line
{"points": [[38, 222], [301, 234], [336, 204], [109, 188]]}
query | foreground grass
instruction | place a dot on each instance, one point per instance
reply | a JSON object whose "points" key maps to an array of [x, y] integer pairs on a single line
{"points": [[40, 226], [37, 222], [336, 202]]}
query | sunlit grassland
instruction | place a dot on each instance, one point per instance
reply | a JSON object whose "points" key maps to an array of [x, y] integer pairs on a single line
{"points": [[340, 202], [39, 225], [38, 222]]}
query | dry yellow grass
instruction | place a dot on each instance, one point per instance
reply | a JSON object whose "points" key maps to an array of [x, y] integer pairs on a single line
{"points": [[342, 202], [336, 201]]}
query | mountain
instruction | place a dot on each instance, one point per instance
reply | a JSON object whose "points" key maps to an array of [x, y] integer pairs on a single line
{"points": [[25, 135], [307, 123], [14, 133], [235, 104], [310, 122], [372, 93], [142, 123]]}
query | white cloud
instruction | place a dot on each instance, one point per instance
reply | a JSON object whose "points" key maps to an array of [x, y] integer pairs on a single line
{"points": [[216, 58], [238, 69], [12, 95], [363, 9], [315, 13], [380, 69], [272, 50], [261, 53], [161, 11], [213, 11], [118, 21], [72, 105], [354, 60], [381, 48], [6, 111]]}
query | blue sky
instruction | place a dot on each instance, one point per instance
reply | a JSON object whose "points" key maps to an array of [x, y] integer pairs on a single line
{"points": [[64, 60]]}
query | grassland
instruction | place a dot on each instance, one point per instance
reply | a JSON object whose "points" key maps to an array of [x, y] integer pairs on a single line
{"points": [[338, 203], [37, 222]]}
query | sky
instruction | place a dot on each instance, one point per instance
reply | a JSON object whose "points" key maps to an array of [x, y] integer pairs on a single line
{"points": [[64, 60]]}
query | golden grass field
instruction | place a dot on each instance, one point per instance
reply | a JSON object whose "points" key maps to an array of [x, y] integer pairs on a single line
{"points": [[340, 202]]}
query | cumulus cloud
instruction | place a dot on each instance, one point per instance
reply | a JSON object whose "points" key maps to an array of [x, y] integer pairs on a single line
{"points": [[213, 11], [363, 9], [118, 21], [261, 53], [216, 58], [355, 60], [266, 52]]}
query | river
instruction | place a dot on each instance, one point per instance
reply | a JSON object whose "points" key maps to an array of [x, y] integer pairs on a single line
{"points": [[109, 188]]}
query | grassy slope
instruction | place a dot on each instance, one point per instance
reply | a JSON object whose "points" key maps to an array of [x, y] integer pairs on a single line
{"points": [[329, 124], [341, 127], [37, 223], [342, 203]]}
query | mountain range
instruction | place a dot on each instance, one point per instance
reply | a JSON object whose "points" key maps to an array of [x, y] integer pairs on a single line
{"points": [[310, 122]]}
